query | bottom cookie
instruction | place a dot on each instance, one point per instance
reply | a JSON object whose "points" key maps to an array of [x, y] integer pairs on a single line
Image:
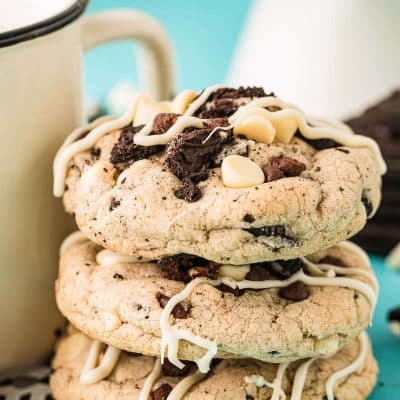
{"points": [[349, 374]]}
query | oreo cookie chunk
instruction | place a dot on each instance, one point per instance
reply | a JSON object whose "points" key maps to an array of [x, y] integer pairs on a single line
{"points": [[394, 321], [382, 122]]}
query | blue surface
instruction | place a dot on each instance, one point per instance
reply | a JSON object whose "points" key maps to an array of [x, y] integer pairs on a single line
{"points": [[204, 34], [386, 345]]}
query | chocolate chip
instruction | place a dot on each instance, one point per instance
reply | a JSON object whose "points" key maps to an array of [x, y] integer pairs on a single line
{"points": [[274, 230], [179, 310], [171, 370], [258, 272], [227, 289], [118, 276], [343, 150], [249, 397], [177, 267], [114, 204], [125, 151], [163, 121], [272, 172], [162, 392], [333, 261], [394, 314], [297, 291], [248, 218], [368, 205], [282, 167]]}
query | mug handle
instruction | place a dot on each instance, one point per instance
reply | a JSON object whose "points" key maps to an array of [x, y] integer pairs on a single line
{"points": [[156, 64]]}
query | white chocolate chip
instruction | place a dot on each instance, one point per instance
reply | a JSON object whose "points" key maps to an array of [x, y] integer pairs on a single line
{"points": [[285, 130], [181, 102], [236, 272], [241, 172], [111, 321], [255, 127], [147, 107]]}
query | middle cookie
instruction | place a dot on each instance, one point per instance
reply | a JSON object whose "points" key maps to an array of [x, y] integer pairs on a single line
{"points": [[189, 308]]}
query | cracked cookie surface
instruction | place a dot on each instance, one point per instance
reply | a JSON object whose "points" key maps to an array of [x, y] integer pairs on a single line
{"points": [[167, 199], [126, 381], [121, 304]]}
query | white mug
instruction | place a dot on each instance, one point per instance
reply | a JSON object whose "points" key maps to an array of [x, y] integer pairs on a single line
{"points": [[332, 58], [40, 103]]}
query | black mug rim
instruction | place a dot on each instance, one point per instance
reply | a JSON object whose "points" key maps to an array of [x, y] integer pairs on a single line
{"points": [[44, 27]]}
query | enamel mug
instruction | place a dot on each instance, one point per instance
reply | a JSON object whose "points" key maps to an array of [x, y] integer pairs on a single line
{"points": [[41, 50]]}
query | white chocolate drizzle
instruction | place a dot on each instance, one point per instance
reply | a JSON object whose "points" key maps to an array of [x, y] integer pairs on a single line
{"points": [[300, 378], [184, 385], [302, 371], [354, 366], [310, 128], [92, 374], [70, 147], [171, 335], [150, 380], [107, 258], [72, 239]]}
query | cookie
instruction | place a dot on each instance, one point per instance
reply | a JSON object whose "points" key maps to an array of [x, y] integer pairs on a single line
{"points": [[382, 122], [235, 379], [195, 310], [233, 175]]}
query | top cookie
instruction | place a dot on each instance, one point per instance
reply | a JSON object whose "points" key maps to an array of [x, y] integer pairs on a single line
{"points": [[232, 175]]}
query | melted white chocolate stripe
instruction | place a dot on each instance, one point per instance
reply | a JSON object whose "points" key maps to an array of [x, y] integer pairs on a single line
{"points": [[150, 380], [92, 374], [311, 128], [184, 385], [172, 335], [70, 147], [354, 366], [300, 379], [72, 239]]}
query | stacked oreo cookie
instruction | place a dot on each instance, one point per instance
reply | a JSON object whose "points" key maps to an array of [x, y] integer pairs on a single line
{"points": [[382, 122], [211, 261]]}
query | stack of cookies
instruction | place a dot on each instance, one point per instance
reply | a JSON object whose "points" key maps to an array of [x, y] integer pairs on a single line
{"points": [[211, 261]]}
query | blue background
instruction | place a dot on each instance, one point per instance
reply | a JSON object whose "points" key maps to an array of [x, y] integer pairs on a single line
{"points": [[204, 34]]}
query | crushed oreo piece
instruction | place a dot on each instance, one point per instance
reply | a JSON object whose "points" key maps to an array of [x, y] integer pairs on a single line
{"points": [[248, 218], [333, 261], [297, 291], [224, 102], [171, 370], [368, 205], [190, 155], [394, 315], [163, 121], [162, 392], [227, 289], [179, 311], [118, 276], [125, 151], [271, 230], [188, 191], [185, 267], [284, 269], [95, 153], [319, 144], [282, 167], [239, 147], [114, 204], [258, 272]]}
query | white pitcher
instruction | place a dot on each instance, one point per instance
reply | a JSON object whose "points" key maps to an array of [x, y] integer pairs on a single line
{"points": [[41, 50], [331, 57]]}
